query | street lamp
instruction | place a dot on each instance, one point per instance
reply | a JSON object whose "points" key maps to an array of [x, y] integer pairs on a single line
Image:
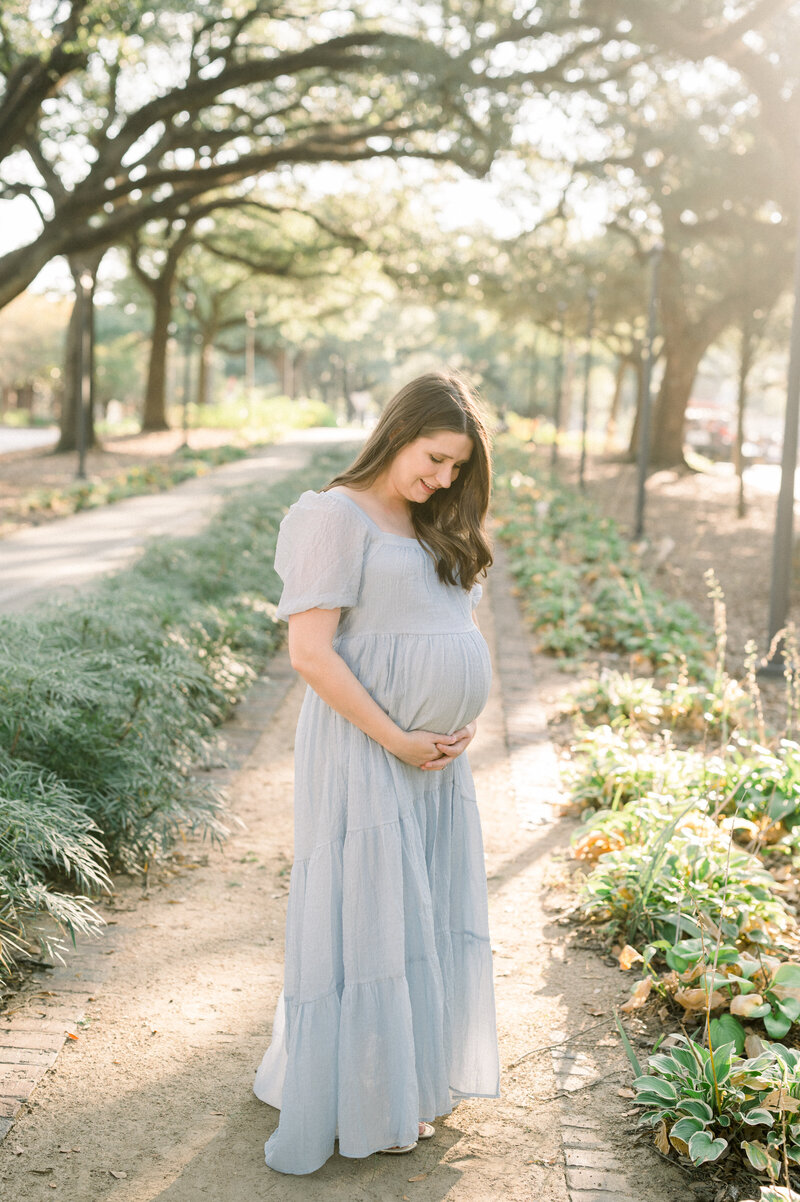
{"points": [[84, 363], [250, 355], [591, 297], [533, 379], [558, 385], [645, 399], [782, 545], [189, 303]]}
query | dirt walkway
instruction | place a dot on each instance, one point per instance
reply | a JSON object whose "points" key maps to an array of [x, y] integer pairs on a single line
{"points": [[153, 1100], [61, 556]]}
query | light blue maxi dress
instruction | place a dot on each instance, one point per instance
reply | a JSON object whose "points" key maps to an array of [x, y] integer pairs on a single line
{"points": [[387, 1014]]}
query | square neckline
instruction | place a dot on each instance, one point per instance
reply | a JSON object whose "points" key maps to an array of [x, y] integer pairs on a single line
{"points": [[386, 533]]}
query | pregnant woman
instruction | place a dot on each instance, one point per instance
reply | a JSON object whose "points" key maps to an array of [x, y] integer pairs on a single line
{"points": [[387, 1014]]}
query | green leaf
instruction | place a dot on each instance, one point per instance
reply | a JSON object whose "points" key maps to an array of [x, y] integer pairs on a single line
{"points": [[684, 1129], [777, 1025], [760, 1011], [721, 1067], [655, 1085], [664, 1064], [696, 1108], [702, 1148], [787, 974], [790, 1007], [757, 1155], [758, 1116], [725, 1029], [728, 955], [654, 1101], [626, 1043]]}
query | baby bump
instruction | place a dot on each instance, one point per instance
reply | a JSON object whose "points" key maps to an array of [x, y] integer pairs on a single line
{"points": [[435, 682]]}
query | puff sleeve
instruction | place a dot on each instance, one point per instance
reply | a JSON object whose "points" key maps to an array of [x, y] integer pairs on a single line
{"points": [[475, 594], [319, 554]]}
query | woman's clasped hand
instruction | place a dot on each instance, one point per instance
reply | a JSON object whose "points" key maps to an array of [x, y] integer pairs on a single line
{"points": [[432, 752]]}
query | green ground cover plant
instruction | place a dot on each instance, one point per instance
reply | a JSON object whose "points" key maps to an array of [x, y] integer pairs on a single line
{"points": [[579, 581], [691, 827], [109, 704]]}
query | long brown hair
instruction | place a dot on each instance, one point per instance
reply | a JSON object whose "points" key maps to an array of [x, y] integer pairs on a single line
{"points": [[450, 525]]}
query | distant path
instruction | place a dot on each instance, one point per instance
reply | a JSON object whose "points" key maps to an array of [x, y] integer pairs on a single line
{"points": [[55, 558], [26, 438]]}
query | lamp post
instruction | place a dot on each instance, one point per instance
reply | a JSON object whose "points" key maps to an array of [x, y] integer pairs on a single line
{"points": [[587, 368], [645, 399], [782, 544], [558, 385], [189, 303], [85, 293], [533, 379], [250, 355]]}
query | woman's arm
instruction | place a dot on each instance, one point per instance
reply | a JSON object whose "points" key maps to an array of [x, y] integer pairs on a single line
{"points": [[313, 657]]}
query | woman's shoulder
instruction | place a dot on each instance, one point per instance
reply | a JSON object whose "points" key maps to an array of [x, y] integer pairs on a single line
{"points": [[322, 501], [328, 514]]}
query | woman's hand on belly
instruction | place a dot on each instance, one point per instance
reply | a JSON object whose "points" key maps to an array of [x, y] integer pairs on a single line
{"points": [[421, 748], [457, 742]]}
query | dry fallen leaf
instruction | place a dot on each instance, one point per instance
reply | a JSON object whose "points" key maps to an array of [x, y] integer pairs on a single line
{"points": [[780, 1099], [119, 1174], [753, 1046], [18, 1150], [419, 1177], [71, 1035], [745, 1003], [697, 999], [661, 1140], [626, 1093], [639, 996], [628, 957]]}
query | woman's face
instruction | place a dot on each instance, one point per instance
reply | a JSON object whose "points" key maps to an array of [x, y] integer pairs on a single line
{"points": [[428, 463]]}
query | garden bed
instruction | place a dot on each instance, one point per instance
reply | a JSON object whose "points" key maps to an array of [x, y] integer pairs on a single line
{"points": [[689, 789], [109, 704]]}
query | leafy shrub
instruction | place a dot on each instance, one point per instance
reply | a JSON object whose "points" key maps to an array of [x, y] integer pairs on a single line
{"points": [[699, 1101], [623, 701], [578, 580], [679, 878], [45, 837], [108, 706]]}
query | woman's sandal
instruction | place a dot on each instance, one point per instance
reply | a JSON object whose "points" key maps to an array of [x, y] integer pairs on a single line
{"points": [[427, 1132]]}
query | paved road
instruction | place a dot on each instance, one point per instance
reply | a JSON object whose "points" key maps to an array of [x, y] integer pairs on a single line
{"points": [[56, 558]]}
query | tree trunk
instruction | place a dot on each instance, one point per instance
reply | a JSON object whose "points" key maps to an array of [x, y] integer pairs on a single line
{"points": [[73, 384], [669, 416], [613, 413], [746, 354], [155, 400], [205, 373]]}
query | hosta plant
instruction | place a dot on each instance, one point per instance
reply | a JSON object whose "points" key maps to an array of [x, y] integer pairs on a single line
{"points": [[679, 881], [700, 1101], [623, 700], [705, 977]]}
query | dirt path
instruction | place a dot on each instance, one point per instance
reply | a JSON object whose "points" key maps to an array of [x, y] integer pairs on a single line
{"points": [[154, 1102], [61, 556]]}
